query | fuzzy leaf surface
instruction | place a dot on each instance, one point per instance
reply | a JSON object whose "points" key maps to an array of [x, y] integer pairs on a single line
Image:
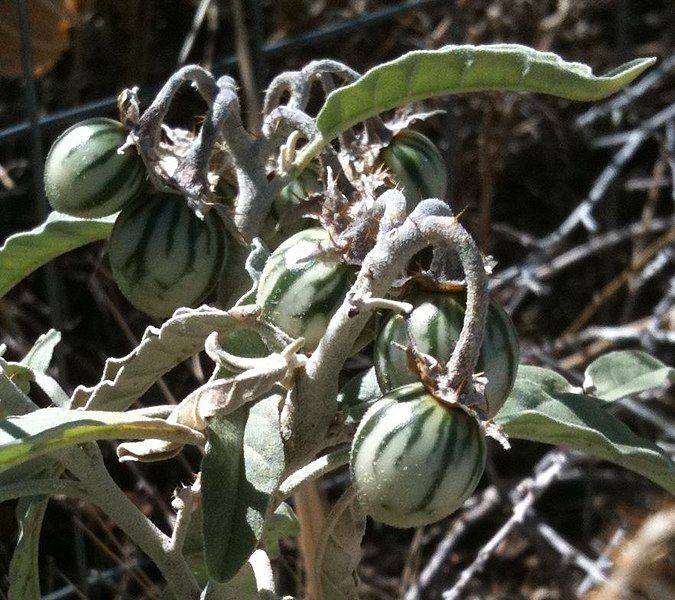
{"points": [[24, 252], [126, 379], [546, 413], [244, 460], [28, 436], [626, 372], [457, 69]]}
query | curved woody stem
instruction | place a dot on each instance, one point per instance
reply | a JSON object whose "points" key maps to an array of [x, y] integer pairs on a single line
{"points": [[308, 413], [298, 84], [149, 128]]}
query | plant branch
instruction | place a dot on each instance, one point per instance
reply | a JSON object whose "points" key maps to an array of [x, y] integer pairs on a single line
{"points": [[308, 413], [317, 468], [531, 490], [89, 469]]}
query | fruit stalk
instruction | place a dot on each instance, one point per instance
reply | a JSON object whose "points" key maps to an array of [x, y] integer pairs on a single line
{"points": [[460, 367], [309, 412]]}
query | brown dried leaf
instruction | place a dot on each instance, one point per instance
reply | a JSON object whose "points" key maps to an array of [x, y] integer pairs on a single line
{"points": [[50, 23]]}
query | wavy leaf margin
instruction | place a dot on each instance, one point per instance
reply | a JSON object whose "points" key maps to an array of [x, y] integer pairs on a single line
{"points": [[458, 69]]}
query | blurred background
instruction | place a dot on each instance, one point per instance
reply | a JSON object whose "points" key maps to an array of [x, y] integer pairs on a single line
{"points": [[575, 203]]}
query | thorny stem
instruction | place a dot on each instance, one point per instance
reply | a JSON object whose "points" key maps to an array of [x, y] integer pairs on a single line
{"points": [[285, 120], [298, 83], [465, 355], [150, 124], [308, 413], [254, 197], [309, 153], [302, 85]]}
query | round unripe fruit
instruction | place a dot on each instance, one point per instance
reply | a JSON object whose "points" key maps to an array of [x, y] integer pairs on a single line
{"points": [[279, 225], [415, 460], [300, 294], [435, 325], [297, 190], [417, 165], [84, 174], [163, 256]]}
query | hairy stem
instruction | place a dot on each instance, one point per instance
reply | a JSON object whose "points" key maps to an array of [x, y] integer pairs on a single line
{"points": [[150, 125], [317, 468], [104, 492], [308, 414], [462, 363]]}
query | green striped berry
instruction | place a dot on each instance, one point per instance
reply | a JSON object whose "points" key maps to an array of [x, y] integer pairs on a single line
{"points": [[417, 165], [163, 256], [84, 174], [279, 225], [308, 183], [415, 460], [300, 294], [435, 324]]}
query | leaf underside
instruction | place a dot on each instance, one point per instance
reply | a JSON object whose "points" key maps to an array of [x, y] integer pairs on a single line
{"points": [[458, 69]]}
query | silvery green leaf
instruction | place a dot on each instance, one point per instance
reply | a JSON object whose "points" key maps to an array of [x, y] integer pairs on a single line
{"points": [[243, 463], [126, 379], [24, 252], [625, 372], [26, 437], [539, 409], [457, 69]]}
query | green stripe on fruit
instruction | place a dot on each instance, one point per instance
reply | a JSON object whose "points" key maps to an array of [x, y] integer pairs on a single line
{"points": [[85, 176], [435, 325], [163, 256], [300, 294], [415, 460]]}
